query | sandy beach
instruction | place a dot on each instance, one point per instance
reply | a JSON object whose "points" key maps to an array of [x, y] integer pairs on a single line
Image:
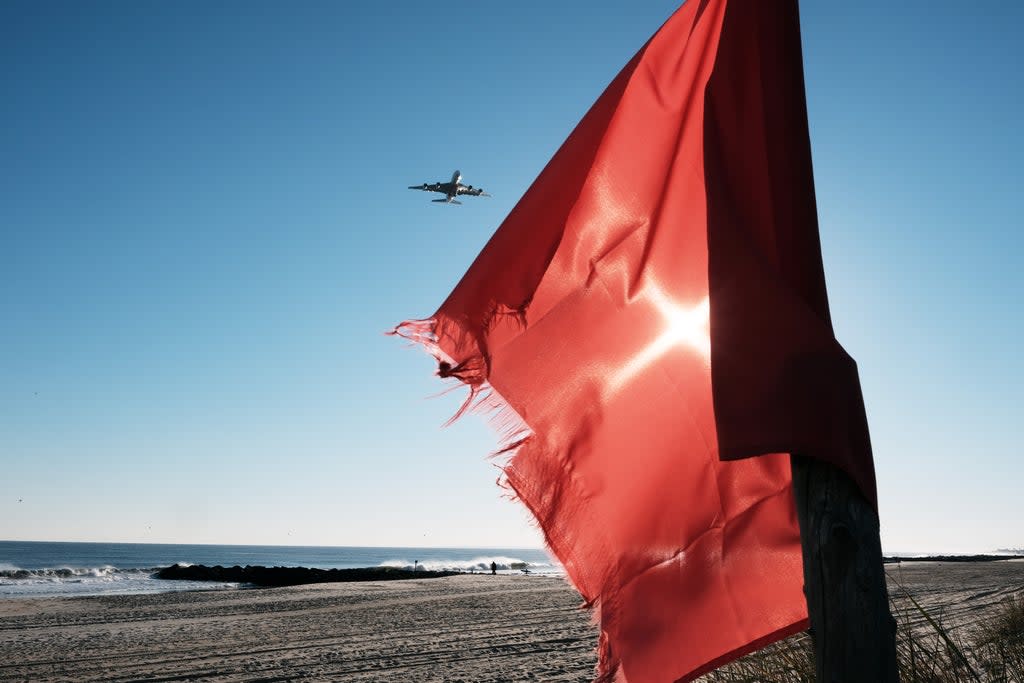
{"points": [[471, 628], [464, 628]]}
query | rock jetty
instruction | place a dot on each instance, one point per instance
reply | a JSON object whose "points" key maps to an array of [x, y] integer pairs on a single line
{"points": [[290, 576]]}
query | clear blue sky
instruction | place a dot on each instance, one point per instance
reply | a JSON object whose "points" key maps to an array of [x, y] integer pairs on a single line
{"points": [[205, 232]]}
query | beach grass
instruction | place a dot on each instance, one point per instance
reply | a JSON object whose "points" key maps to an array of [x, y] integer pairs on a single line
{"points": [[929, 649]]}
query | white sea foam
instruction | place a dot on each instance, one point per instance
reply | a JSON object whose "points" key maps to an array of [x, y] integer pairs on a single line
{"points": [[106, 573], [481, 563], [105, 580]]}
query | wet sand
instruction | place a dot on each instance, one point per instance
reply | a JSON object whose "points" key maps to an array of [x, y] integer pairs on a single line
{"points": [[471, 628]]}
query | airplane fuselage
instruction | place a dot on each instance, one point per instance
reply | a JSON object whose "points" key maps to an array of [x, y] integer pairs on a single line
{"points": [[453, 185], [452, 189]]}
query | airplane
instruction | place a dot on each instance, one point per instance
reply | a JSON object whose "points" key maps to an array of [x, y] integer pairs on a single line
{"points": [[451, 189]]}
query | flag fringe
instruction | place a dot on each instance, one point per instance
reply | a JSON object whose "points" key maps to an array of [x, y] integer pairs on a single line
{"points": [[473, 371], [513, 433]]}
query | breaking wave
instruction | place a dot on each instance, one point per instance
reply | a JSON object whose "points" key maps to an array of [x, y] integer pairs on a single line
{"points": [[482, 563], [106, 579], [63, 573]]}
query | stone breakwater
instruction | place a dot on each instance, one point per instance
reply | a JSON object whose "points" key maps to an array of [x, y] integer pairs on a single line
{"points": [[290, 576], [952, 558]]}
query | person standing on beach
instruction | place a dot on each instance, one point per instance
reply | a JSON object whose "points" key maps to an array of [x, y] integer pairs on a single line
{"points": [[494, 567]]}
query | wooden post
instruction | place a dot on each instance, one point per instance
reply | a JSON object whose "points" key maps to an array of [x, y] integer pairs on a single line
{"points": [[853, 631]]}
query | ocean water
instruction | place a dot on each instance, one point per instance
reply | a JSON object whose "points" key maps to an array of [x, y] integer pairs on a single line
{"points": [[38, 568]]}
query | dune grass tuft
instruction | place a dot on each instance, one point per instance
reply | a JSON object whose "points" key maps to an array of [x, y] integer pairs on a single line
{"points": [[929, 650], [999, 642]]}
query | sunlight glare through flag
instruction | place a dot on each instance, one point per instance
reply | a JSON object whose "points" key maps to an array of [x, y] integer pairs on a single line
{"points": [[684, 327]]}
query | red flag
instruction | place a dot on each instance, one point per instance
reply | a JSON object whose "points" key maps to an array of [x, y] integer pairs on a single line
{"points": [[650, 315]]}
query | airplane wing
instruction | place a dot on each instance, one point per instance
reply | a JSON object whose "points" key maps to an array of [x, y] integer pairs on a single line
{"points": [[472, 191], [428, 187]]}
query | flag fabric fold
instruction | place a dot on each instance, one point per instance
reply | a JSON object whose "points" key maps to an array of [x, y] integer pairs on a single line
{"points": [[650, 316]]}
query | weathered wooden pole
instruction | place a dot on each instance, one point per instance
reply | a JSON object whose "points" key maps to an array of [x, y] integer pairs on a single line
{"points": [[852, 628]]}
